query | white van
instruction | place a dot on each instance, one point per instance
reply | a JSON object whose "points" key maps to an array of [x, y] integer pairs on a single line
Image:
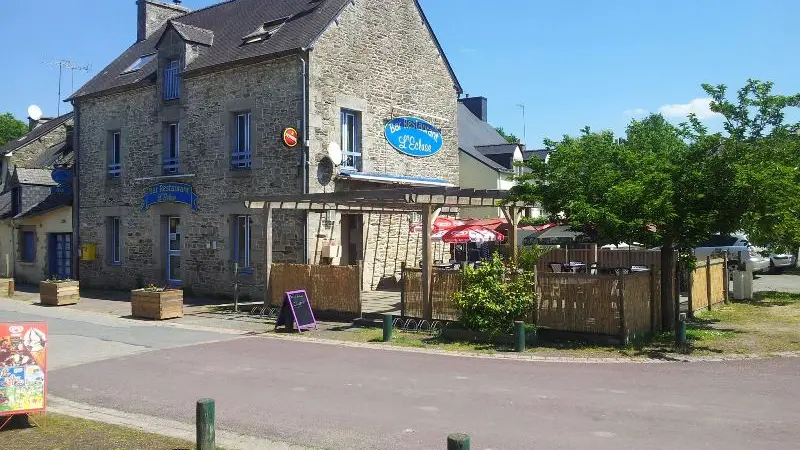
{"points": [[739, 251]]}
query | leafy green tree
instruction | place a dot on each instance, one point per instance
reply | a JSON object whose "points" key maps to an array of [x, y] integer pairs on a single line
{"points": [[510, 137], [11, 128]]}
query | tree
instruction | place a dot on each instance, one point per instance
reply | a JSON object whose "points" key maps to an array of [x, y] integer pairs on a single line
{"points": [[511, 138], [11, 128], [653, 187]]}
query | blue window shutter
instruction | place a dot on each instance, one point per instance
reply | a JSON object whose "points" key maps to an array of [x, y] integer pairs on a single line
{"points": [[29, 246]]}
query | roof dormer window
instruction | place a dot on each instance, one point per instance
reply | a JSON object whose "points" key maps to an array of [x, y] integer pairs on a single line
{"points": [[139, 63], [265, 31]]}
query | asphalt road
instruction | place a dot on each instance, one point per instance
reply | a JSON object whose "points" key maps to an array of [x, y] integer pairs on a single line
{"points": [[787, 282], [350, 398]]}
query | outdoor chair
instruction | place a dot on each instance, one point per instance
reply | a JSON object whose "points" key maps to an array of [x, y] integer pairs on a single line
{"points": [[593, 269], [556, 267]]}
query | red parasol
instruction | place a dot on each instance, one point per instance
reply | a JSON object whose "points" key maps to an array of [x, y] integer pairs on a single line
{"points": [[471, 233]]}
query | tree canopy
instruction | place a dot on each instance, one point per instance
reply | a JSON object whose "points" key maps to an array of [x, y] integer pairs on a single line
{"points": [[510, 137], [11, 128]]}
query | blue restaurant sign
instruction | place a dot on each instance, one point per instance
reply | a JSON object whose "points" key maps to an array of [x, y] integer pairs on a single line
{"points": [[62, 176], [170, 193], [413, 136]]}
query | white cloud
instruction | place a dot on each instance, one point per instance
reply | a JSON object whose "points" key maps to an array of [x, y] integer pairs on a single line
{"points": [[701, 107], [636, 112]]}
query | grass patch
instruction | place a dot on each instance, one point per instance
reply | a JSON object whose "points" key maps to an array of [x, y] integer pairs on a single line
{"points": [[64, 432]]}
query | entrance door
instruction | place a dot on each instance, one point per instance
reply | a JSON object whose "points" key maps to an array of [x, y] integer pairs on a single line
{"points": [[60, 252], [174, 237], [352, 238]]}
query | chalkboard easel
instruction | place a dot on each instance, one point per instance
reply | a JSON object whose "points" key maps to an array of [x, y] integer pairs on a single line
{"points": [[296, 310]]}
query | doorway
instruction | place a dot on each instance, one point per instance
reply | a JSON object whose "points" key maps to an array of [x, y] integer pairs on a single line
{"points": [[352, 238], [173, 246], [60, 252]]}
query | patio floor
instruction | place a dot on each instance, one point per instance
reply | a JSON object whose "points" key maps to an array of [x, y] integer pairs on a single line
{"points": [[380, 302]]}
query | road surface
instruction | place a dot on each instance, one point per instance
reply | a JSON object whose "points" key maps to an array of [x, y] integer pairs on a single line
{"points": [[352, 398]]}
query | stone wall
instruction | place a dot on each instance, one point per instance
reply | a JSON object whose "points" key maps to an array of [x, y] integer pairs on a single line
{"points": [[378, 57], [271, 92], [151, 15]]}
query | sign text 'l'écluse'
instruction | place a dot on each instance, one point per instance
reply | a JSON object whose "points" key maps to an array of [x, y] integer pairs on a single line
{"points": [[170, 193], [413, 136]]}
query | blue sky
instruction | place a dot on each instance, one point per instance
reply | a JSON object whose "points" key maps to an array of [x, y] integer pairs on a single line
{"points": [[572, 63]]}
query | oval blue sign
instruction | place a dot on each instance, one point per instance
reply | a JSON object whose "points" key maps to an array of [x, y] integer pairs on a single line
{"points": [[62, 175], [413, 136]]}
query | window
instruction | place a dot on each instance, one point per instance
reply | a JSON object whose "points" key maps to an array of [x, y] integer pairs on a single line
{"points": [[139, 63], [241, 157], [114, 240], [16, 201], [115, 155], [351, 140], [241, 241], [27, 244], [171, 148], [172, 80]]}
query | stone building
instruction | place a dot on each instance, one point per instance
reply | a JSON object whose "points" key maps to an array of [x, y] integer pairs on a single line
{"points": [[36, 229], [203, 112]]}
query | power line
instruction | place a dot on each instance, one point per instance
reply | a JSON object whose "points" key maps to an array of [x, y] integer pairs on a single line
{"points": [[72, 67]]}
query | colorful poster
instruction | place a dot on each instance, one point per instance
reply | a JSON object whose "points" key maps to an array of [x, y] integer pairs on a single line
{"points": [[23, 367]]}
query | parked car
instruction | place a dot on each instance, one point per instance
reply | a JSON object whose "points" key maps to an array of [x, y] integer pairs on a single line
{"points": [[778, 262], [739, 252]]}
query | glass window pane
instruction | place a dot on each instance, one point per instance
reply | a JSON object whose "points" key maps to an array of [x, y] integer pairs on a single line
{"points": [[241, 122]]}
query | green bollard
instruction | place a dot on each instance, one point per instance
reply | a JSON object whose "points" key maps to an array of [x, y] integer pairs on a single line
{"points": [[519, 335], [205, 424], [458, 441], [388, 320], [680, 333]]}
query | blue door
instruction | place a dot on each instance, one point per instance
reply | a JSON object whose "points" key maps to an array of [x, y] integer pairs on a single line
{"points": [[60, 251]]}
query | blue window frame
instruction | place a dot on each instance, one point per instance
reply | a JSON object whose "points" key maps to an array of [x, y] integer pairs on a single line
{"points": [[28, 244], [172, 148], [115, 155], [351, 140], [242, 156], [114, 241], [241, 241], [172, 80]]}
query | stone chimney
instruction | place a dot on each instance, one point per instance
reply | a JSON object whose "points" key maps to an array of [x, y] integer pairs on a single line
{"points": [[152, 14], [477, 105]]}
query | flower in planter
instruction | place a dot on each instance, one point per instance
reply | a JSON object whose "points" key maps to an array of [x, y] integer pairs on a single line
{"points": [[57, 279]]}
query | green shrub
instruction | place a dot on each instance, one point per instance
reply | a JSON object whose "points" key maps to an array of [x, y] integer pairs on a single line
{"points": [[529, 256], [493, 296]]}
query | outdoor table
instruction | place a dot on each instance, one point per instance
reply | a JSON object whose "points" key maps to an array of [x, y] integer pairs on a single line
{"points": [[575, 267]]}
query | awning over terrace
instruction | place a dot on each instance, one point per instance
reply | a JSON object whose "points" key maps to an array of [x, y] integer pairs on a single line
{"points": [[429, 201]]}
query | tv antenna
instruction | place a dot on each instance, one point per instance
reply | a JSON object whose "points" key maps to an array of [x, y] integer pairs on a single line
{"points": [[65, 64]]}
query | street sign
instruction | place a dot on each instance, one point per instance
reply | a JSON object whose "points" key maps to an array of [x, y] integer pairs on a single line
{"points": [[296, 309]]}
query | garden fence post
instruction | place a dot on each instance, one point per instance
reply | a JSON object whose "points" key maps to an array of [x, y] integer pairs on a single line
{"points": [[680, 336], [458, 441], [387, 327], [519, 335], [708, 280], [726, 280], [205, 424], [623, 332]]}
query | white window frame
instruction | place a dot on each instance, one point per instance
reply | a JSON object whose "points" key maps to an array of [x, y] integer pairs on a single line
{"points": [[115, 155], [248, 229], [172, 80], [241, 158], [356, 153], [173, 151]]}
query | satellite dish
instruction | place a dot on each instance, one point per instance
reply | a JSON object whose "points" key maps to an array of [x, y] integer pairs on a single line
{"points": [[34, 112], [335, 153]]}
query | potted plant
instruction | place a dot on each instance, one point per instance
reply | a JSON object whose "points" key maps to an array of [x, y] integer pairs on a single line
{"points": [[59, 291], [158, 303]]}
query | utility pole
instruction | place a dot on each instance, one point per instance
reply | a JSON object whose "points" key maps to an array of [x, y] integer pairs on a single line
{"points": [[65, 64], [524, 126]]}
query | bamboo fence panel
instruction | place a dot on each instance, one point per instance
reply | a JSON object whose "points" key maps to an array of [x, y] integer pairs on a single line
{"points": [[578, 303], [444, 286], [702, 279], [637, 296], [334, 289], [718, 282], [412, 293]]}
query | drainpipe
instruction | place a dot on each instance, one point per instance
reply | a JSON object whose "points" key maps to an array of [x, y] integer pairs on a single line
{"points": [[304, 149]]}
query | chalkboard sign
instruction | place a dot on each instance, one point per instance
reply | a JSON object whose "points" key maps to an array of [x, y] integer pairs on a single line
{"points": [[296, 309]]}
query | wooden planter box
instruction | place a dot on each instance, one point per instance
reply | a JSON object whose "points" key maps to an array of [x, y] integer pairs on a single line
{"points": [[157, 305], [6, 287], [59, 294]]}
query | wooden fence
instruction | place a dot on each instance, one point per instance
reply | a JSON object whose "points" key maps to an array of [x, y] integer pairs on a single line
{"points": [[623, 307], [605, 258], [332, 290], [709, 284]]}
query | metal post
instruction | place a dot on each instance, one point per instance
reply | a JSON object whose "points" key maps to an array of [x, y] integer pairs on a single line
{"points": [[680, 335], [458, 441], [519, 334], [387, 327], [205, 424]]}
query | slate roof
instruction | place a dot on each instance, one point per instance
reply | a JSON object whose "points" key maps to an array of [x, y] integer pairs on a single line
{"points": [[541, 154], [474, 133], [36, 133], [39, 177], [50, 203], [225, 24]]}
